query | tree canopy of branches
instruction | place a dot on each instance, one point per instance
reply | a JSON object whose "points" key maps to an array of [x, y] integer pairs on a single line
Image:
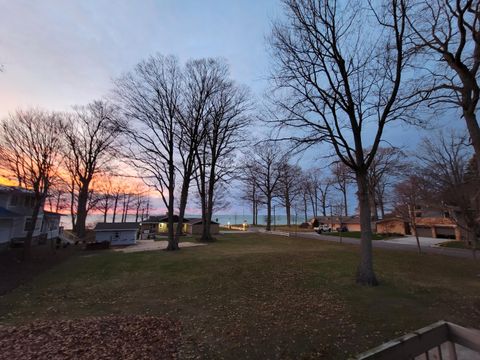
{"points": [[223, 129], [31, 152], [150, 99], [266, 161], [446, 165], [338, 72], [90, 136], [447, 35]]}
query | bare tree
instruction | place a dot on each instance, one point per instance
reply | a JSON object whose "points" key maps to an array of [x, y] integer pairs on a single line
{"points": [[288, 186], [342, 178], [90, 136], [447, 35], [150, 98], [409, 195], [251, 191], [31, 152], [266, 162], [445, 164], [339, 67], [223, 129], [387, 166], [201, 84]]}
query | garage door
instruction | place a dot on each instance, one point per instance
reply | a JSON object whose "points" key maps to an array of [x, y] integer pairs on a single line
{"points": [[424, 231], [445, 232]]}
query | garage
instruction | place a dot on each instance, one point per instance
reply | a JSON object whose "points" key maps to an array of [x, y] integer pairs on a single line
{"points": [[445, 232], [424, 231]]}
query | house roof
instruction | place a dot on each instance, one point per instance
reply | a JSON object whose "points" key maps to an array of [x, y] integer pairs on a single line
{"points": [[51, 213], [160, 219], [125, 226], [337, 219], [195, 221], [7, 214], [14, 189]]}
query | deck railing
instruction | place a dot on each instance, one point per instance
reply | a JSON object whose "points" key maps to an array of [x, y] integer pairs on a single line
{"points": [[437, 341]]}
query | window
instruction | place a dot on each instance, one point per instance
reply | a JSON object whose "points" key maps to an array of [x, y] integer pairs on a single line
{"points": [[28, 224], [116, 235], [14, 200]]}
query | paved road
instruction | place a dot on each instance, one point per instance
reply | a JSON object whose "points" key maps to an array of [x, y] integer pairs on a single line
{"points": [[392, 245]]}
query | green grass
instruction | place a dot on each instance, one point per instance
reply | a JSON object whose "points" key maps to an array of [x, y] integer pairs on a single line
{"points": [[455, 244], [257, 296], [355, 234]]}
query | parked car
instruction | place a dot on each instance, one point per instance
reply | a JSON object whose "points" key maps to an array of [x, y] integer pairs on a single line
{"points": [[342, 228], [323, 228]]}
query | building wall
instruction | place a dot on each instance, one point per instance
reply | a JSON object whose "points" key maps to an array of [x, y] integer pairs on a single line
{"points": [[5, 231], [119, 237], [197, 229], [394, 226]]}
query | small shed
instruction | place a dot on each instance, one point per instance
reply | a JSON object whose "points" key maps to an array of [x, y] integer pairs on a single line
{"points": [[117, 233], [195, 227]]}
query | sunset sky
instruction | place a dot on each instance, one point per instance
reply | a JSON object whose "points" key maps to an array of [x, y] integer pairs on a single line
{"points": [[57, 53]]}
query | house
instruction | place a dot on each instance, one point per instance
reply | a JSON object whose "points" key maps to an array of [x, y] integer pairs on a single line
{"points": [[16, 209], [393, 225], [125, 233], [352, 223], [195, 227], [158, 225], [430, 222]]}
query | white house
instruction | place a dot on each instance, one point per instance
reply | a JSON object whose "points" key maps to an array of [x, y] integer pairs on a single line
{"points": [[125, 233], [16, 208]]}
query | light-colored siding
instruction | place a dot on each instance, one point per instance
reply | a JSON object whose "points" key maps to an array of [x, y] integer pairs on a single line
{"points": [[125, 237]]}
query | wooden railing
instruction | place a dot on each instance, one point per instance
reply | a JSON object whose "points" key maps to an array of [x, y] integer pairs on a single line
{"points": [[436, 341]]}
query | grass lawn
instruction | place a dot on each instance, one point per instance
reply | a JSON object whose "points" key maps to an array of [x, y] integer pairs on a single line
{"points": [[259, 296], [355, 234], [455, 244]]}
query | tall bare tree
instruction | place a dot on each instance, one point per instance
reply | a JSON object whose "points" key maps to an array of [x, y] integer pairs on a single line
{"points": [[445, 162], [409, 194], [266, 162], [382, 174], [342, 178], [338, 72], [447, 35], [90, 135], [223, 129], [31, 152], [251, 191], [201, 84], [289, 188], [150, 99]]}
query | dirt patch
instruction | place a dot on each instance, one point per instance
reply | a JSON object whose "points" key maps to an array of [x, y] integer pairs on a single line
{"points": [[131, 337]]}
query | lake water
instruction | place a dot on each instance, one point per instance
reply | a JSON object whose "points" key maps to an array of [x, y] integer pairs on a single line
{"points": [[223, 219]]}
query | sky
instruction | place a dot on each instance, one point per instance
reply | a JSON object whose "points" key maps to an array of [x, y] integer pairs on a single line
{"points": [[58, 53]]}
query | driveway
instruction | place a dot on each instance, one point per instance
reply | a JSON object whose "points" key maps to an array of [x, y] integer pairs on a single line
{"points": [[150, 245], [404, 244], [411, 240]]}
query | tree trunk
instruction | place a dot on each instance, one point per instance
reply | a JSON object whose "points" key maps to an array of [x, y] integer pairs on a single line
{"points": [[287, 208], [365, 273], [82, 210], [474, 132], [183, 203], [269, 213], [27, 246], [305, 209], [115, 204], [345, 204], [172, 240]]}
